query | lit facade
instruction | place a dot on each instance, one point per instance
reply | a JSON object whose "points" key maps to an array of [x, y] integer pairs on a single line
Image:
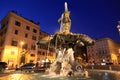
{"points": [[18, 38], [104, 50], [18, 41]]}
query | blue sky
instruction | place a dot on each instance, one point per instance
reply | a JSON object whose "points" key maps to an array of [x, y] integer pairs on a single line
{"points": [[95, 18]]}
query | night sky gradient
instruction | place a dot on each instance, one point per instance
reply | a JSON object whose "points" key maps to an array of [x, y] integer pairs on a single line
{"points": [[95, 18]]}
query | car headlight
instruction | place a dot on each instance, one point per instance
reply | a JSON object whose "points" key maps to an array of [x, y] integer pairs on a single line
{"points": [[33, 67], [6, 68]]}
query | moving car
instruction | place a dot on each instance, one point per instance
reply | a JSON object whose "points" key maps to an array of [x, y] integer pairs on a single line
{"points": [[3, 66], [109, 63], [28, 67]]}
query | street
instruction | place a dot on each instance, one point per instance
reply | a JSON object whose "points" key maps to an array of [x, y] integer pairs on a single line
{"points": [[92, 75]]}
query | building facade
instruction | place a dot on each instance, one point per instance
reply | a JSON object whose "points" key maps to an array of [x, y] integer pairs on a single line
{"points": [[45, 51], [18, 40], [104, 50]]}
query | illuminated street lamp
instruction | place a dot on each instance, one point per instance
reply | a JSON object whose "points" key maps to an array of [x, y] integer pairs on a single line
{"points": [[21, 43]]}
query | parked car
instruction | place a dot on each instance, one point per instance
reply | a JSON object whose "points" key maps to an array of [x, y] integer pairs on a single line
{"points": [[42, 67], [109, 63], [3, 66], [28, 67]]}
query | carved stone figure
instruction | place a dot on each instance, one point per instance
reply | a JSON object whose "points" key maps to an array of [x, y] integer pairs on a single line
{"points": [[65, 21]]}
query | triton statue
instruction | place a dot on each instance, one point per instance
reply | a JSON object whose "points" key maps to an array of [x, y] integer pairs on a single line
{"points": [[65, 21]]}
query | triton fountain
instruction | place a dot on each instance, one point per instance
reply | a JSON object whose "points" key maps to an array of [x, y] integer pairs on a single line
{"points": [[65, 43]]}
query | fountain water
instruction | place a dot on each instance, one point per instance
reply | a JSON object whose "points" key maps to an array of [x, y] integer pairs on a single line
{"points": [[65, 63]]}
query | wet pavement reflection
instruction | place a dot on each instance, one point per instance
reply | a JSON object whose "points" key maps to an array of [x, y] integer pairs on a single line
{"points": [[92, 75], [96, 75]]}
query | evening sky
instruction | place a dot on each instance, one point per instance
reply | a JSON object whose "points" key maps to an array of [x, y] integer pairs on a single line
{"points": [[95, 18]]}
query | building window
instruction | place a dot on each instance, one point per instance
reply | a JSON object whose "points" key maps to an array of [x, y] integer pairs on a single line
{"points": [[34, 30], [2, 42], [5, 30], [39, 52], [33, 37], [17, 23], [27, 27], [14, 43], [43, 53], [40, 33], [26, 35], [32, 55], [31, 61], [33, 47], [16, 32]]}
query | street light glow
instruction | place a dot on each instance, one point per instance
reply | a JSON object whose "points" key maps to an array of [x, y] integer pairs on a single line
{"points": [[21, 42]]}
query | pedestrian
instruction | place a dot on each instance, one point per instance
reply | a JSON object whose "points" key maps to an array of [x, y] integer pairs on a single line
{"points": [[16, 67]]}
